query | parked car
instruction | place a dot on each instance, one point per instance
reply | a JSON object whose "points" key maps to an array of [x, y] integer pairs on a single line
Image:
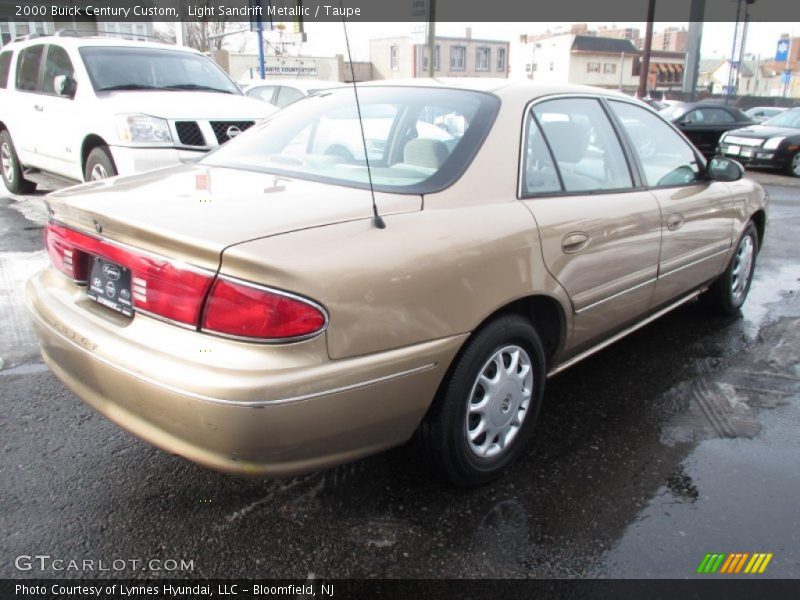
{"points": [[774, 143], [704, 122], [250, 313], [759, 114], [282, 92], [87, 108]]}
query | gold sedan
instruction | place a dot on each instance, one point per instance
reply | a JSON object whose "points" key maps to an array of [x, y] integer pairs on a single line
{"points": [[303, 296]]}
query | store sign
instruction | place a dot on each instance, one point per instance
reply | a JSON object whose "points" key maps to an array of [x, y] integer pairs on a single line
{"points": [[782, 52], [291, 67]]}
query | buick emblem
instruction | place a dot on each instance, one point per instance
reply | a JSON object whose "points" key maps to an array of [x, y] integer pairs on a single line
{"points": [[233, 131], [111, 272]]}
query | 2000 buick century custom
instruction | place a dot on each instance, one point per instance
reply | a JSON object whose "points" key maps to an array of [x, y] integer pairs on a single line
{"points": [[251, 313]]}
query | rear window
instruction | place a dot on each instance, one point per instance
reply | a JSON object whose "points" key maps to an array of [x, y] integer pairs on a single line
{"points": [[418, 140], [5, 66]]}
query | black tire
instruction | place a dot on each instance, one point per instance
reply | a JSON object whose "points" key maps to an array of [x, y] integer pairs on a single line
{"points": [[794, 165], [99, 158], [721, 297], [443, 432], [14, 181]]}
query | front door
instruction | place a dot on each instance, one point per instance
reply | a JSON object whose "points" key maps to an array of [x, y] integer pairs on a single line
{"points": [[600, 232]]}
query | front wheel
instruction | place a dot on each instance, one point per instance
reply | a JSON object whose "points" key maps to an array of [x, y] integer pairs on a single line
{"points": [[794, 165], [486, 410], [727, 294], [99, 164]]}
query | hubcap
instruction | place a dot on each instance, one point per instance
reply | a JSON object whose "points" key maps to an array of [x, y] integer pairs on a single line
{"points": [[99, 172], [796, 164], [498, 402], [742, 267], [7, 162]]}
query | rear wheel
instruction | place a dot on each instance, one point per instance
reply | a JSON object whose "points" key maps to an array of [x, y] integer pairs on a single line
{"points": [[99, 164], [727, 294], [11, 168], [486, 409]]}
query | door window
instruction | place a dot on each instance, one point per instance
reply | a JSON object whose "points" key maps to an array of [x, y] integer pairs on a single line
{"points": [[708, 115], [666, 158], [28, 68], [583, 142], [56, 65], [5, 65]]}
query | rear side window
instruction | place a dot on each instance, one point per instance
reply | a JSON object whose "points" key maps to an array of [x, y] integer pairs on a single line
{"points": [[584, 145], [287, 95], [28, 64], [667, 160], [263, 92], [5, 66]]}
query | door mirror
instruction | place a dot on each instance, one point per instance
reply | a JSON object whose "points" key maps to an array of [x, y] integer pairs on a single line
{"points": [[725, 169], [65, 85]]}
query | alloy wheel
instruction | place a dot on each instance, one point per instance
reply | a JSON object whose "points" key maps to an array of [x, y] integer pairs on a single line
{"points": [[796, 165], [742, 267], [99, 172], [498, 402], [7, 162]]}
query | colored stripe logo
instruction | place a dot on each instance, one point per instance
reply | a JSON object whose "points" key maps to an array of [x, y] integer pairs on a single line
{"points": [[737, 562]]}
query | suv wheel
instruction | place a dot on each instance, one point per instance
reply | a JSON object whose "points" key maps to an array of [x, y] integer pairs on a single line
{"points": [[99, 164], [727, 294], [486, 410], [11, 168]]}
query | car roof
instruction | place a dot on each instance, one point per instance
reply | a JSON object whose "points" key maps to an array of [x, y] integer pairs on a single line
{"points": [[76, 41]]}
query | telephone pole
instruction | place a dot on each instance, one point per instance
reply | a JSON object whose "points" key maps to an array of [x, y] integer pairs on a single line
{"points": [[648, 42], [431, 36]]}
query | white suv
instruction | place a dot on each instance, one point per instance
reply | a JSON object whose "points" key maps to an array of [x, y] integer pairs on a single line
{"points": [[90, 108]]}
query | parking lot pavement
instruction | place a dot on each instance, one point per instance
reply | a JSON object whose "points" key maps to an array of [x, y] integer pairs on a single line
{"points": [[677, 441]]}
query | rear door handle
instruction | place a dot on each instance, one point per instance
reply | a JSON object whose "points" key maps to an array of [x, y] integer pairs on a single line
{"points": [[574, 242], [674, 222]]}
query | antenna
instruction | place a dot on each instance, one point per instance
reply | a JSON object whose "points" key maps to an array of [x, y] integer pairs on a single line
{"points": [[377, 220]]}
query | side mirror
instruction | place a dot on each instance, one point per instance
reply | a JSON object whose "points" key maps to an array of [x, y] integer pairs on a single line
{"points": [[725, 169], [65, 85]]}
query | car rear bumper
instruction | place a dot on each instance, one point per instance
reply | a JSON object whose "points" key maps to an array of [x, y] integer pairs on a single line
{"points": [[130, 161], [249, 409]]}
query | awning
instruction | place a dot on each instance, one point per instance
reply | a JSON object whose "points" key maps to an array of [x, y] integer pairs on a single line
{"points": [[662, 68]]}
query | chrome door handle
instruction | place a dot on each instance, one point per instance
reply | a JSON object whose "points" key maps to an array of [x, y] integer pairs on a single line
{"points": [[674, 222], [38, 107], [574, 242]]}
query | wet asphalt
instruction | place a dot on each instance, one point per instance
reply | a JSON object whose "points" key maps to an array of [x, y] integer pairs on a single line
{"points": [[680, 440]]}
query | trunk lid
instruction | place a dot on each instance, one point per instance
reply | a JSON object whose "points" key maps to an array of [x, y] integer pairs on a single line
{"points": [[193, 212]]}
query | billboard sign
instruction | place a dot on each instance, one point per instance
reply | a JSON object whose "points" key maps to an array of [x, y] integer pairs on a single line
{"points": [[782, 52]]}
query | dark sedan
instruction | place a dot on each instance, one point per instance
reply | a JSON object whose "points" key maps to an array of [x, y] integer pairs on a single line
{"points": [[704, 122], [774, 143]]}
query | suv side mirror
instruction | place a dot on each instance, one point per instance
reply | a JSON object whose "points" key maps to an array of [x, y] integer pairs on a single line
{"points": [[725, 169], [65, 85]]}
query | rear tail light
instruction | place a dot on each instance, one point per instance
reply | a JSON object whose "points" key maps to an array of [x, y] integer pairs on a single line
{"points": [[245, 311], [162, 287], [177, 291]]}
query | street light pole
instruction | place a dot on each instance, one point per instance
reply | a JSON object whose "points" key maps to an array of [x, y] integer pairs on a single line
{"points": [[648, 42], [431, 36]]}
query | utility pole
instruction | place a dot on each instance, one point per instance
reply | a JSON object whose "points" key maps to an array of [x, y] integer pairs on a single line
{"points": [[431, 36], [648, 42], [787, 72]]}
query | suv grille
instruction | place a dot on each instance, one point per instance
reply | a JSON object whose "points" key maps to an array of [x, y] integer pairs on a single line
{"points": [[189, 133], [221, 128]]}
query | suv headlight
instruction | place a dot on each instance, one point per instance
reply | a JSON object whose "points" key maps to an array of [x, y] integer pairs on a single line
{"points": [[143, 128], [773, 143]]}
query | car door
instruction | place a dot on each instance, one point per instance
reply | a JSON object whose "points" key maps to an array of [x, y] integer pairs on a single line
{"points": [[599, 229], [58, 117], [26, 106], [697, 213], [704, 126]]}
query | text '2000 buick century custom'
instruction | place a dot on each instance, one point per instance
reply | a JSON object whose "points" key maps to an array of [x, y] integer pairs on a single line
{"points": [[256, 313]]}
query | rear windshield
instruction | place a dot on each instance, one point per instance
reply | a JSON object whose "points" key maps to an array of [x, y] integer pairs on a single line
{"points": [[131, 68], [789, 118], [418, 140]]}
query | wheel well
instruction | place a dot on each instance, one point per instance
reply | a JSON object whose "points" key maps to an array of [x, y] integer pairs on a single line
{"points": [[90, 143], [760, 220], [3, 126]]}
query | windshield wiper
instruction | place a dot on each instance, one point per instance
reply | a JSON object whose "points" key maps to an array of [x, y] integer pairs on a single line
{"points": [[128, 86], [194, 86]]}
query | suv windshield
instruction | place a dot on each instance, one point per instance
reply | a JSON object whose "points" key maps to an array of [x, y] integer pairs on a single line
{"points": [[418, 139], [789, 118], [131, 68]]}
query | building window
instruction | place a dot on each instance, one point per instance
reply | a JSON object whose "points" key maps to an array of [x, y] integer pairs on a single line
{"points": [[482, 59], [609, 68], [394, 57], [458, 58], [593, 67], [425, 66], [501, 59], [552, 66]]}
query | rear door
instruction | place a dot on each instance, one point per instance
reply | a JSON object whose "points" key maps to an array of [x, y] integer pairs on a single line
{"points": [[600, 230], [697, 214]]}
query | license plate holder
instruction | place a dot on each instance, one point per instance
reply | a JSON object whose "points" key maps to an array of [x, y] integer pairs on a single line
{"points": [[110, 285], [733, 150]]}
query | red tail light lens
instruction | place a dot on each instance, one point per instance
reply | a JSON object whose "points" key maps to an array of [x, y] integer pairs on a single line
{"points": [[160, 286], [250, 312]]}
